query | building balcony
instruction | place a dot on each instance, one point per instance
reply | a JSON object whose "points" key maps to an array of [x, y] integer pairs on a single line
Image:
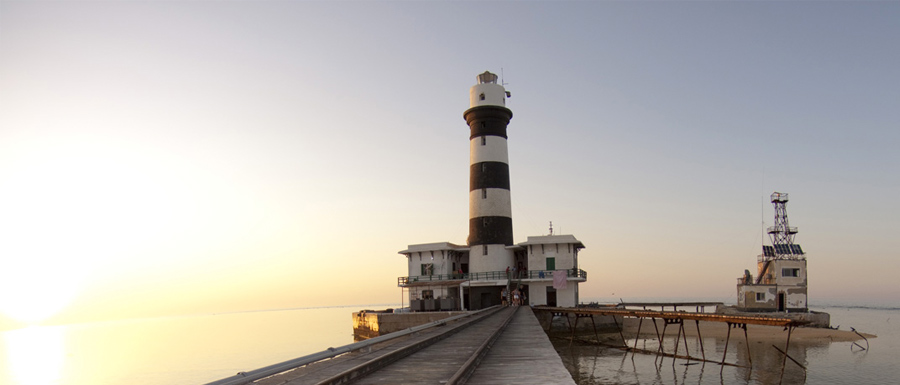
{"points": [[766, 258], [766, 281], [534, 275]]}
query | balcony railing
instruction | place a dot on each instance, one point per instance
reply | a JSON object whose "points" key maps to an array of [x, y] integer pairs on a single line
{"points": [[491, 275], [764, 258], [766, 281]]}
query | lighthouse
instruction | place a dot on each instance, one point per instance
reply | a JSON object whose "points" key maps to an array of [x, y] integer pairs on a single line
{"points": [[490, 268], [490, 207]]}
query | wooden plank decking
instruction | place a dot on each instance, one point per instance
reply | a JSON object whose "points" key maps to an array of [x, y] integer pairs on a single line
{"points": [[440, 361], [521, 355]]}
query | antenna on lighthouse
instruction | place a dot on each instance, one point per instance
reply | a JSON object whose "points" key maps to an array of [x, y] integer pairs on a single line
{"points": [[503, 83]]}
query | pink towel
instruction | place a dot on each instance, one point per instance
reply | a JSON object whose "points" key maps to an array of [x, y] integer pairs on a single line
{"points": [[559, 279]]}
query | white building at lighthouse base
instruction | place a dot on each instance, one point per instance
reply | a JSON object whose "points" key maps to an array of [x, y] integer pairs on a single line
{"points": [[544, 268]]}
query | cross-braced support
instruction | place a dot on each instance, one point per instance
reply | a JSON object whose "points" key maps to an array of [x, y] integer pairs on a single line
{"points": [[638, 335], [700, 337], [727, 338], [787, 346]]}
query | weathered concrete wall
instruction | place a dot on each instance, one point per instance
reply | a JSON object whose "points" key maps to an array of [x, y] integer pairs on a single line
{"points": [[537, 293], [561, 250], [782, 277], [782, 266], [776, 272], [567, 297], [794, 297], [747, 297], [444, 257], [370, 324], [816, 319]]}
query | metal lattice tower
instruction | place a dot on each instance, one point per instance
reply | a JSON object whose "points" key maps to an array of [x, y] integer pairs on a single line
{"points": [[782, 235]]}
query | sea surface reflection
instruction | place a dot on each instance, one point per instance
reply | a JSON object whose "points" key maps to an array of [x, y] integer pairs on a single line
{"points": [[36, 355], [168, 350], [204, 348], [818, 361]]}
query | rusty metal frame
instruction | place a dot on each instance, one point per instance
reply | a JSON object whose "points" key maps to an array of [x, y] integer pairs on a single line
{"points": [[678, 317], [749, 320]]}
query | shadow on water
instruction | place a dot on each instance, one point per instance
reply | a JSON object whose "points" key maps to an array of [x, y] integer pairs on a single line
{"points": [[590, 363]]}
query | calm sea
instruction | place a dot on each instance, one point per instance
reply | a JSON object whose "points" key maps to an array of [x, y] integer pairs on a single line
{"points": [[199, 349], [826, 362], [170, 350]]}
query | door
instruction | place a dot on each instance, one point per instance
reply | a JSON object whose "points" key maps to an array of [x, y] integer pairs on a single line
{"points": [[551, 264], [781, 301], [486, 300], [551, 295]]}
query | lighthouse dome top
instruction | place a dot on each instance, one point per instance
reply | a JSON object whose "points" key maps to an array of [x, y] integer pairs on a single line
{"points": [[487, 77], [487, 92]]}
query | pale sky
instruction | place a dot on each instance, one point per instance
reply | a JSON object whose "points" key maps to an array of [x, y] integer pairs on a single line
{"points": [[167, 157]]}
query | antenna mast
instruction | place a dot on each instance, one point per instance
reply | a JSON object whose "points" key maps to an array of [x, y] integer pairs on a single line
{"points": [[782, 234]]}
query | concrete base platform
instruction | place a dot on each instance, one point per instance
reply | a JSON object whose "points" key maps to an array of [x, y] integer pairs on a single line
{"points": [[367, 324], [816, 319]]}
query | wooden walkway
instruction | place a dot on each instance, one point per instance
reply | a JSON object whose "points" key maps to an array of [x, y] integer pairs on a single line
{"points": [[516, 350], [522, 355]]}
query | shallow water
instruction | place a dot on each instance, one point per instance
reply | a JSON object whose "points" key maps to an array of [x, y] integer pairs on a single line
{"points": [[170, 350], [826, 362], [200, 349]]}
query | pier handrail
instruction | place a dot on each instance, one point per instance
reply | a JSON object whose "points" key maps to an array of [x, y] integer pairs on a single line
{"points": [[253, 375]]}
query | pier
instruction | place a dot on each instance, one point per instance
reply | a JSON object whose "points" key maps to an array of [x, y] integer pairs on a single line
{"points": [[677, 319], [493, 346]]}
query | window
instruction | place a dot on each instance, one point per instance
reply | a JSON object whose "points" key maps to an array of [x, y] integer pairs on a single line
{"points": [[760, 297], [427, 294], [427, 268], [485, 249], [551, 263], [484, 140], [484, 193], [481, 96], [790, 272]]}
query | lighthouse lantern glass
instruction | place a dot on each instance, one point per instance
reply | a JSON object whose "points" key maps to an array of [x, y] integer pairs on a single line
{"points": [[487, 77]]}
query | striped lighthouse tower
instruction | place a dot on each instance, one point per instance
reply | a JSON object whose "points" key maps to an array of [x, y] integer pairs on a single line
{"points": [[490, 208]]}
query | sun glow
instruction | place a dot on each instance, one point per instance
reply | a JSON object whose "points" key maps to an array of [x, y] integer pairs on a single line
{"points": [[36, 354], [69, 210], [36, 293]]}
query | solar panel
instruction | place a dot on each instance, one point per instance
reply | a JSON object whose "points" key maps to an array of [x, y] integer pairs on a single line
{"points": [[768, 251], [795, 249]]}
